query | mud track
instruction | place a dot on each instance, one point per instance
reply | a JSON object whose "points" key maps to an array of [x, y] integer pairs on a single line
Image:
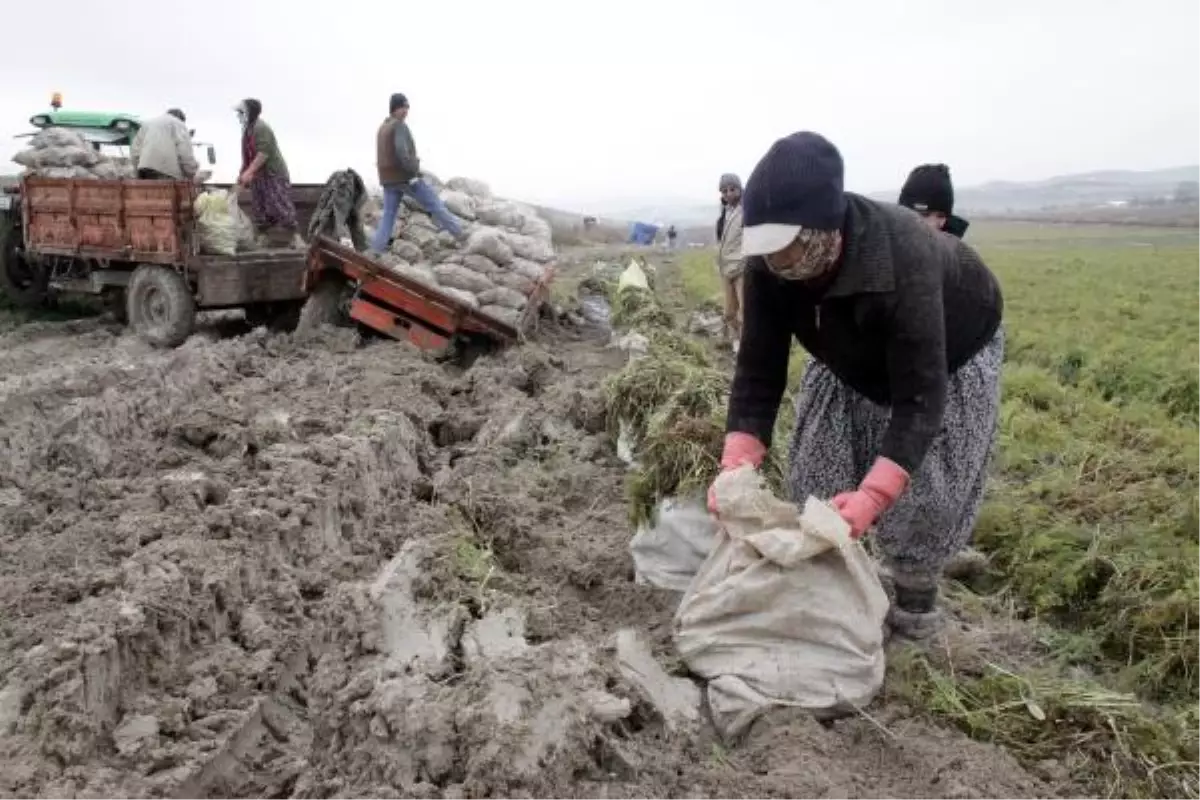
{"points": [[289, 567]]}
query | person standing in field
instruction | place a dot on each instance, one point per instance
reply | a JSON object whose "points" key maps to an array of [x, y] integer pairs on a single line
{"points": [[730, 263], [897, 407], [162, 149], [400, 174], [265, 173], [929, 192]]}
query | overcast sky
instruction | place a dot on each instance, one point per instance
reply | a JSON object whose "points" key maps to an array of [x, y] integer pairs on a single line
{"points": [[616, 103]]}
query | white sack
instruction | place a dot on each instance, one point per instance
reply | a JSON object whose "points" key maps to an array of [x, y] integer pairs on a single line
{"points": [[459, 277], [422, 237], [477, 189], [530, 248], [669, 553], [539, 229], [459, 203], [507, 315], [218, 219], [633, 277], [500, 214], [466, 297], [501, 296], [489, 242], [530, 269], [481, 264], [111, 170], [57, 137], [786, 611], [406, 250], [64, 172], [513, 280]]}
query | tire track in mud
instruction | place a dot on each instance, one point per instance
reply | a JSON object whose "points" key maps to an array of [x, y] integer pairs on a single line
{"points": [[277, 566], [191, 528]]}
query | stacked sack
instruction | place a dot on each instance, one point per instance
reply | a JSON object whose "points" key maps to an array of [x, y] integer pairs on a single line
{"points": [[507, 253], [62, 153]]}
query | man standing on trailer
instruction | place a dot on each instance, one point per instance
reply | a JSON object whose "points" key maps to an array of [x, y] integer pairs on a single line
{"points": [[162, 149]]}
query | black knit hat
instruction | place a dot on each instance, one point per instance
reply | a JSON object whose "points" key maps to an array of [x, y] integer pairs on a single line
{"points": [[928, 188], [397, 100], [796, 185]]}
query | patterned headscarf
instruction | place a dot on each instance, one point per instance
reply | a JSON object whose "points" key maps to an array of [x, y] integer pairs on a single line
{"points": [[816, 254]]}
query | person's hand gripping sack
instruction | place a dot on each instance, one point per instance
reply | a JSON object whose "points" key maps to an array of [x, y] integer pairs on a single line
{"points": [[878, 492], [740, 448]]}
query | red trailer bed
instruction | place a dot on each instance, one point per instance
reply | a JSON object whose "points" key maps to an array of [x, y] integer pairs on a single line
{"points": [[403, 308]]}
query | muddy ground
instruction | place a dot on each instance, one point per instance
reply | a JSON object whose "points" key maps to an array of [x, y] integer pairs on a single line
{"points": [[289, 566]]}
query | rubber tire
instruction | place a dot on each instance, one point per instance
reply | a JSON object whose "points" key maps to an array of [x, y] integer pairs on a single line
{"points": [[325, 305], [162, 292], [33, 293]]}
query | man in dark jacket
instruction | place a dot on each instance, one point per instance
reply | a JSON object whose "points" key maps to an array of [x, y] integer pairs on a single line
{"points": [[929, 192], [898, 403], [400, 174]]}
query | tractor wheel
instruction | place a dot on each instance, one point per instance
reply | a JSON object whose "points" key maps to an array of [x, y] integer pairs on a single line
{"points": [[26, 285], [160, 305], [280, 317], [327, 305]]}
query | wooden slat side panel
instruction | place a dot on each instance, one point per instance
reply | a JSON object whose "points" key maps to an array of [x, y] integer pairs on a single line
{"points": [[142, 220], [154, 217], [49, 220], [236, 283], [97, 206]]}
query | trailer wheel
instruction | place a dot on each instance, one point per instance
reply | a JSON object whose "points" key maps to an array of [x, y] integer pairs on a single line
{"points": [[160, 305], [326, 305], [25, 284]]}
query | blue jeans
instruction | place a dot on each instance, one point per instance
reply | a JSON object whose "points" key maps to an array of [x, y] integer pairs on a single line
{"points": [[424, 194]]}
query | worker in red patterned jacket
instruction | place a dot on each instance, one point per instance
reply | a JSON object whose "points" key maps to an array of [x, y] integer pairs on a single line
{"points": [[897, 409]]}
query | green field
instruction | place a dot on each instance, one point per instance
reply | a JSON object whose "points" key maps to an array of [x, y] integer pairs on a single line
{"points": [[1091, 518]]}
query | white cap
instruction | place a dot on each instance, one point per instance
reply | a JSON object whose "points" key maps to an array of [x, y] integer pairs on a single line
{"points": [[762, 240]]}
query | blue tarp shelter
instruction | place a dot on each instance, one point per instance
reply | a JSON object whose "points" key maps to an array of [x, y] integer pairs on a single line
{"points": [[642, 233]]}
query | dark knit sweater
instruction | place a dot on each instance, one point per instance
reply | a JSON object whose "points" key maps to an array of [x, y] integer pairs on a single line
{"points": [[906, 307]]}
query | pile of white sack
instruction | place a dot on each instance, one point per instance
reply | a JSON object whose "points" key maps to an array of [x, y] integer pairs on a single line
{"points": [[62, 153], [506, 255]]}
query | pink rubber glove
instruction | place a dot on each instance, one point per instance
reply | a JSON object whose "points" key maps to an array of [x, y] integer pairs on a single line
{"points": [[740, 448], [878, 492]]}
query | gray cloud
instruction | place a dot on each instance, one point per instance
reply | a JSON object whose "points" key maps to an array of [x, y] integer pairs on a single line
{"points": [[628, 101]]}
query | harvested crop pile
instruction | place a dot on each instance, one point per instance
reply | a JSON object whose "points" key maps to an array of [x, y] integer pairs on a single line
{"points": [[668, 402], [61, 153], [506, 256]]}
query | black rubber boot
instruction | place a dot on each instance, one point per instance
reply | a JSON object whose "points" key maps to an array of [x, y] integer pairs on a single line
{"points": [[914, 615]]}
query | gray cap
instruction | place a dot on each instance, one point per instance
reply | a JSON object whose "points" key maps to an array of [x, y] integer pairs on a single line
{"points": [[730, 181]]}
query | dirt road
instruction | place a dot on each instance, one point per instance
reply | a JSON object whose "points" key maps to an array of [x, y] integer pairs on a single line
{"points": [[277, 566]]}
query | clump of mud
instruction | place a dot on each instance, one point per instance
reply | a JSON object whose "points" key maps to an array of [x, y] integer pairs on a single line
{"points": [[282, 566]]}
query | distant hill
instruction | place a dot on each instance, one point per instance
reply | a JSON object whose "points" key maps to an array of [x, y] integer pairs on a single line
{"points": [[1107, 188], [1083, 190]]}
